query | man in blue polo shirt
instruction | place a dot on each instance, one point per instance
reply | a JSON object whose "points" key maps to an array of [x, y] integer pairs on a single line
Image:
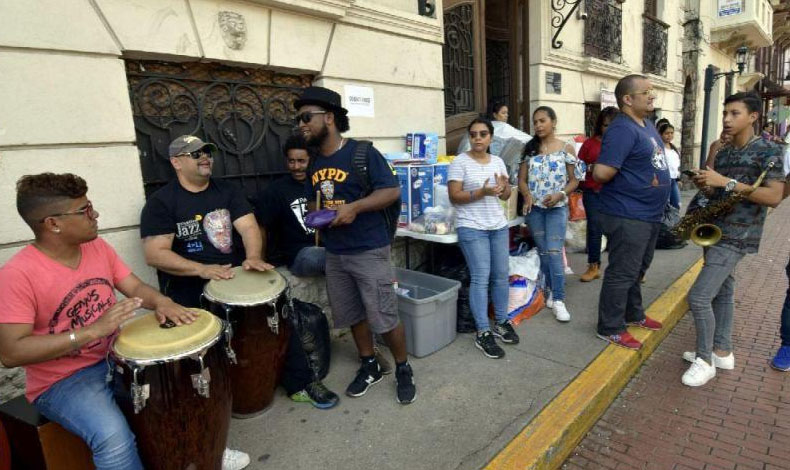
{"points": [[634, 171]]}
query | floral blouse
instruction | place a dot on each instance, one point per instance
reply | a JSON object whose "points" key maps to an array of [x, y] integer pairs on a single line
{"points": [[547, 174]]}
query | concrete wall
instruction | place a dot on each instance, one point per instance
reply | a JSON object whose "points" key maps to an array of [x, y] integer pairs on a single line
{"points": [[65, 101]]}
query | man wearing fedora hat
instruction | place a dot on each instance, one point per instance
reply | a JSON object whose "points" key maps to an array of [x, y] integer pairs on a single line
{"points": [[359, 275]]}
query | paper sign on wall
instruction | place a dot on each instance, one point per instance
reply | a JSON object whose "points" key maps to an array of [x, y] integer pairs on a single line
{"points": [[608, 99], [359, 101], [730, 7]]}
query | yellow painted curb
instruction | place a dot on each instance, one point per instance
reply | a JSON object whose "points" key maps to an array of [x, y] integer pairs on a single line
{"points": [[553, 434]]}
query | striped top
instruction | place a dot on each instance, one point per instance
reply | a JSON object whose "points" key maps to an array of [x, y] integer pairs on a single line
{"points": [[485, 213]]}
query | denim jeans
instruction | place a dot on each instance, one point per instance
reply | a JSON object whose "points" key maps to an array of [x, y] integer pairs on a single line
{"points": [[674, 194], [309, 262], [548, 229], [83, 403], [712, 300], [487, 255], [592, 207], [632, 244], [784, 332]]}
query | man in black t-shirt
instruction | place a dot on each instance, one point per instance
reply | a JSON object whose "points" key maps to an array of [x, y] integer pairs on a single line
{"points": [[190, 231], [359, 275], [281, 209]]}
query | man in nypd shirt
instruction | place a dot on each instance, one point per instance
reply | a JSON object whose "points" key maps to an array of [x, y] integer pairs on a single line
{"points": [[359, 271]]}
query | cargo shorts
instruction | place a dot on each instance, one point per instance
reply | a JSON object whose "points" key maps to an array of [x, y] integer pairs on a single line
{"points": [[360, 288]]}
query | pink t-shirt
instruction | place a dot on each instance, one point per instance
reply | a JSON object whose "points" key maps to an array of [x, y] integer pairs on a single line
{"points": [[54, 298]]}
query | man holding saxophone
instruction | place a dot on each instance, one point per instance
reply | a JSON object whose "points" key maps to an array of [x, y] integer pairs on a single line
{"points": [[747, 178]]}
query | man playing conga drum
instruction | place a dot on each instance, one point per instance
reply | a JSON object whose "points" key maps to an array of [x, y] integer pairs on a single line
{"points": [[187, 228], [59, 311]]}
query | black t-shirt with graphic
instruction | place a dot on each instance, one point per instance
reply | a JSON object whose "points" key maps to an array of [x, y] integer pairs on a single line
{"points": [[203, 227], [339, 184], [281, 209]]}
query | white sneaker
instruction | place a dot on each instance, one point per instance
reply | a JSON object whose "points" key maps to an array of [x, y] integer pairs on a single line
{"points": [[234, 459], [724, 363], [561, 312], [699, 373], [549, 301]]}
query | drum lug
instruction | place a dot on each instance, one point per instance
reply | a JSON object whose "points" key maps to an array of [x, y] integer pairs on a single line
{"points": [[228, 336], [202, 380], [140, 393], [274, 324]]}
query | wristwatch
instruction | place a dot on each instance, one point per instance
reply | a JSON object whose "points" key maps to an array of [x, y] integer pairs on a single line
{"points": [[730, 186]]}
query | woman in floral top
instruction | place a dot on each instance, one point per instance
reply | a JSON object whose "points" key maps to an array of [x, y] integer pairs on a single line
{"points": [[545, 179]]}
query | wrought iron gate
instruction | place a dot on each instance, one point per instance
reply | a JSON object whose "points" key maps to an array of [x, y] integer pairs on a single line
{"points": [[247, 113]]}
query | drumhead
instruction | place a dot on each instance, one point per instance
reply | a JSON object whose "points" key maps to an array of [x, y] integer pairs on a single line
{"points": [[246, 287], [142, 340]]}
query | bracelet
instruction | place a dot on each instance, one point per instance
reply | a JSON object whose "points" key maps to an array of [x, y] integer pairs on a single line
{"points": [[73, 340]]}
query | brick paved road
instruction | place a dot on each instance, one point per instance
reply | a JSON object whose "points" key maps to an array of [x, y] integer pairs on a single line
{"points": [[739, 420]]}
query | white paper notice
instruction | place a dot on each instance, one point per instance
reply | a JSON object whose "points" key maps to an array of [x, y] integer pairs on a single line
{"points": [[359, 101]]}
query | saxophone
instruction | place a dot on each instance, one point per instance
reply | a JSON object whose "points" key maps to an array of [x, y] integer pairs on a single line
{"points": [[697, 225]]}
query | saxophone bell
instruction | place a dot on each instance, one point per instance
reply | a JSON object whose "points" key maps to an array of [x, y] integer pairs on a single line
{"points": [[705, 235]]}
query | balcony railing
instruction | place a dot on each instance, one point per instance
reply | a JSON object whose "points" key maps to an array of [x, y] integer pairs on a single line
{"points": [[603, 30], [654, 46]]}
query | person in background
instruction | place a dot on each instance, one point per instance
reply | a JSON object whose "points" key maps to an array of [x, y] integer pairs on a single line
{"points": [[781, 360], [589, 152], [476, 180], [635, 178], [498, 114], [545, 179], [667, 132], [714, 148]]}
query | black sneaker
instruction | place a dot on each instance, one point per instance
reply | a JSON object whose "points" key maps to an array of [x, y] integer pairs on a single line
{"points": [[486, 343], [406, 390], [369, 373], [505, 332], [321, 396]]}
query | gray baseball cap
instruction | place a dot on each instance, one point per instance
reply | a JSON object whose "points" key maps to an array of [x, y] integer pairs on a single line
{"points": [[188, 144]]}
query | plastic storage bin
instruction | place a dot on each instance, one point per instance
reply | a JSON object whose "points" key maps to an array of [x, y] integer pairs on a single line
{"points": [[428, 310]]}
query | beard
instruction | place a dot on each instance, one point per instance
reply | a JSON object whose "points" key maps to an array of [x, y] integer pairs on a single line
{"points": [[316, 140]]}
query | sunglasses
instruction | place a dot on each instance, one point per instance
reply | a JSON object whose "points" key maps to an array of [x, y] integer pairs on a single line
{"points": [[306, 116], [482, 134], [651, 93], [87, 209], [197, 154]]}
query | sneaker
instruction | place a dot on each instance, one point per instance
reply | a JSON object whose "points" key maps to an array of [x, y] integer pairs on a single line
{"points": [[782, 359], [405, 389], [234, 459], [624, 340], [384, 365], [486, 343], [561, 312], [725, 363], [593, 272], [648, 324], [699, 373], [549, 300], [369, 373], [317, 395], [505, 332]]}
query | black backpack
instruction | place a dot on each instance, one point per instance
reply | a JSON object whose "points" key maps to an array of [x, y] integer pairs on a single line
{"points": [[359, 163]]}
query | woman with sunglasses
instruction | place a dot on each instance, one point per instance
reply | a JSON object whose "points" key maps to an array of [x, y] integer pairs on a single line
{"points": [[477, 181], [545, 179]]}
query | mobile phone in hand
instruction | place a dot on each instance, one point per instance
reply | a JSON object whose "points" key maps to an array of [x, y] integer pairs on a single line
{"points": [[690, 173]]}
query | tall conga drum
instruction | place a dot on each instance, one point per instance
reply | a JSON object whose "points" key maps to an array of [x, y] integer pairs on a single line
{"points": [[175, 390], [256, 305]]}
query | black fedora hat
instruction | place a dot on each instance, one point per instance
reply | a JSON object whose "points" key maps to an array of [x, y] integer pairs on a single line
{"points": [[323, 97]]}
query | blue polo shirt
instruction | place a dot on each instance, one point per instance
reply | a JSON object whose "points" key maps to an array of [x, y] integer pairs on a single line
{"points": [[640, 189]]}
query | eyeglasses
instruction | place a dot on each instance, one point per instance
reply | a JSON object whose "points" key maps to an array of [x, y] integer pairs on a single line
{"points": [[651, 93], [482, 134], [87, 209], [306, 116], [197, 154]]}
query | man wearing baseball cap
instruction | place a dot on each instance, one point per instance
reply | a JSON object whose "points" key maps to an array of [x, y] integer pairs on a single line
{"points": [[359, 275]]}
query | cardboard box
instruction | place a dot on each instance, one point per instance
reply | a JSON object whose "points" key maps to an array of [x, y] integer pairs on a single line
{"points": [[440, 173], [510, 206], [423, 146], [416, 182]]}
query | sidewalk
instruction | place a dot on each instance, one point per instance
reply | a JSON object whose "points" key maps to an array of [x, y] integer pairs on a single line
{"points": [[468, 407], [739, 420]]}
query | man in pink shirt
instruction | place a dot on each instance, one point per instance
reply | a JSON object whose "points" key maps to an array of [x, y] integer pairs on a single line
{"points": [[60, 310]]}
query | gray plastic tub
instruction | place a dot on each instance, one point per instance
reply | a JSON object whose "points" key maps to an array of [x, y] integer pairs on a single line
{"points": [[428, 310]]}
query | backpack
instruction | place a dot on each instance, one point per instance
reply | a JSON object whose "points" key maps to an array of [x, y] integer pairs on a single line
{"points": [[359, 163]]}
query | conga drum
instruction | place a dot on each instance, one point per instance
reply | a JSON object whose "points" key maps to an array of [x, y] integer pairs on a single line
{"points": [[176, 390], [256, 305]]}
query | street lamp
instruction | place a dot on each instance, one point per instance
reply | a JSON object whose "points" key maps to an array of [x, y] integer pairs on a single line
{"points": [[741, 57]]}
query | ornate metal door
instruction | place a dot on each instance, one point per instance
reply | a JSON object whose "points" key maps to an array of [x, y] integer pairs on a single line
{"points": [[247, 113]]}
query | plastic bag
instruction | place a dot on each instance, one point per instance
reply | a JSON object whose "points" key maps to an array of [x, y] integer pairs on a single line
{"points": [[576, 206], [576, 236], [311, 325], [526, 265], [525, 299]]}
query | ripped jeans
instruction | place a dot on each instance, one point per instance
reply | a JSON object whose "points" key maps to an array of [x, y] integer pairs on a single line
{"points": [[548, 229]]}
